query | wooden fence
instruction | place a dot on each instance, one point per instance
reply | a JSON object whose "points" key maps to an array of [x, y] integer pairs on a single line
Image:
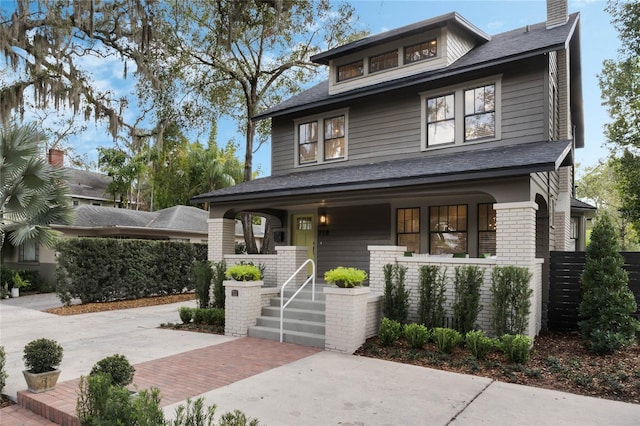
{"points": [[564, 286]]}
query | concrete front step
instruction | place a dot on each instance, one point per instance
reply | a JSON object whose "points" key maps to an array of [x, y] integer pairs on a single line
{"points": [[289, 336], [306, 292], [293, 313], [308, 304], [292, 325]]}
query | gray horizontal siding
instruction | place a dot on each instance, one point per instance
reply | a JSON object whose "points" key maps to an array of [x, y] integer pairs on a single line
{"points": [[523, 107]]}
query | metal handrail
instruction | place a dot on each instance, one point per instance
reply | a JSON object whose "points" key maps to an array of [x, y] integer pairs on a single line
{"points": [[312, 278]]}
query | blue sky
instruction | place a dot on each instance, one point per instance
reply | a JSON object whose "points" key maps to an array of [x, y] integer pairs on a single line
{"points": [[598, 37]]}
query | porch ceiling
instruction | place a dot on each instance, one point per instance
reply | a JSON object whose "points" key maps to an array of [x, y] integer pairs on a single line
{"points": [[488, 163]]}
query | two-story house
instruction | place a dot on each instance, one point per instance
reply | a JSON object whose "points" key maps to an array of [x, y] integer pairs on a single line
{"points": [[420, 137]]}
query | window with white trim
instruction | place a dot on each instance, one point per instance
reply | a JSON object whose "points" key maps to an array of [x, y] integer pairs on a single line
{"points": [[420, 51], [322, 138], [462, 114], [352, 70]]}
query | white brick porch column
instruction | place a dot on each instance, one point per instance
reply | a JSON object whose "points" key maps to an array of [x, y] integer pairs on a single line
{"points": [[346, 318], [242, 306], [378, 257], [289, 260], [221, 238]]}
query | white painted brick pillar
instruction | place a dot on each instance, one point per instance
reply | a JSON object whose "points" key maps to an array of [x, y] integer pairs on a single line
{"points": [[242, 306], [289, 260], [562, 214], [346, 318], [516, 246], [378, 257], [221, 238]]}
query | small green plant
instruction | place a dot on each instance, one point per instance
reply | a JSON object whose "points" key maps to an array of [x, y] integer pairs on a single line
{"points": [[18, 281], [345, 277], [244, 273], [213, 316], [417, 335], [390, 331], [42, 355], [446, 339], [477, 342], [186, 314], [431, 287], [203, 277], [396, 296], [3, 374], [466, 305], [516, 348], [199, 315], [117, 367], [510, 300]]}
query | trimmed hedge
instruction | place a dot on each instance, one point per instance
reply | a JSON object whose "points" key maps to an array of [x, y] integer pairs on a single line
{"points": [[106, 269]]}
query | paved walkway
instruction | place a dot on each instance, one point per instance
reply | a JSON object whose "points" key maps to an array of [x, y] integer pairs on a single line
{"points": [[279, 384]]}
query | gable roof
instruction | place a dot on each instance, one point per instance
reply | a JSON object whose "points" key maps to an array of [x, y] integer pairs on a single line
{"points": [[402, 32], [491, 162], [177, 218], [88, 185], [501, 49], [581, 205]]}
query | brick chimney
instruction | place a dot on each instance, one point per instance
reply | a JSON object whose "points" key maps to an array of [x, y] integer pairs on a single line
{"points": [[557, 13], [56, 157]]}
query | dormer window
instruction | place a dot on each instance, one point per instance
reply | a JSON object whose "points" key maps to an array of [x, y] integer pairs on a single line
{"points": [[352, 70], [383, 62], [420, 51]]}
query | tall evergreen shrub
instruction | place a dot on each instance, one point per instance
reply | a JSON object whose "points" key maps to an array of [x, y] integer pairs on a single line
{"points": [[607, 303], [219, 269], [431, 286], [204, 278], [510, 300], [396, 295], [466, 305]]}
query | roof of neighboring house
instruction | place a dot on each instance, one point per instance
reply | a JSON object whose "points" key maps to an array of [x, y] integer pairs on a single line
{"points": [[177, 218], [88, 185], [501, 48], [402, 32], [491, 162], [581, 205]]}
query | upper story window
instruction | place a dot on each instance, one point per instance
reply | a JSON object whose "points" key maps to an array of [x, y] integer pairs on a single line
{"points": [[383, 62], [352, 70], [420, 51], [480, 112], [441, 120], [455, 115], [322, 138]]}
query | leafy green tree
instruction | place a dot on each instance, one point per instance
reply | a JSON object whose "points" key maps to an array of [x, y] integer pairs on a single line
{"points": [[34, 194], [126, 171], [607, 303], [621, 96]]}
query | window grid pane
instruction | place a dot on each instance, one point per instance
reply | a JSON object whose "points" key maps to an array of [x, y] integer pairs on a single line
{"points": [[352, 70], [479, 107], [383, 62], [420, 51], [440, 120], [334, 138], [486, 229], [448, 226], [308, 142], [408, 228]]}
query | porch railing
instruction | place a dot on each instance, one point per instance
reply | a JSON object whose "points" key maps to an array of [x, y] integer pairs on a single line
{"points": [[312, 278]]}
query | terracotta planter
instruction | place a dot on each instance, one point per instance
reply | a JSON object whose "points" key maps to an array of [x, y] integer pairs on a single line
{"points": [[41, 382]]}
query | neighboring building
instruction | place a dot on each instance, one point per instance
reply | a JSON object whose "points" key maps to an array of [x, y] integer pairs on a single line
{"points": [[179, 223], [434, 136]]}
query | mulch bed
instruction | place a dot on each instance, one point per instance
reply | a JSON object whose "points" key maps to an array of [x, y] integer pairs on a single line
{"points": [[86, 308]]}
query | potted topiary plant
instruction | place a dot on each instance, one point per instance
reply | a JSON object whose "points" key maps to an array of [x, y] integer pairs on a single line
{"points": [[18, 283], [345, 277], [244, 273], [41, 359]]}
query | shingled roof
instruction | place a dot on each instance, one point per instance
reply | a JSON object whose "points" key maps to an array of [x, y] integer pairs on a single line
{"points": [[88, 185], [501, 48], [509, 160]]}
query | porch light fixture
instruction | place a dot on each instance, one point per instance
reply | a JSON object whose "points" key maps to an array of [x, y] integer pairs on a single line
{"points": [[323, 219]]}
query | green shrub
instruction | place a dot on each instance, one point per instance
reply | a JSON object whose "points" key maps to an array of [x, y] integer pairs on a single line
{"points": [[431, 287], [244, 273], [186, 314], [117, 367], [607, 303], [390, 331], [396, 296], [345, 277], [199, 315], [478, 344], [446, 339], [42, 355], [417, 335], [3, 374], [467, 297], [204, 276], [36, 283], [516, 348], [133, 269], [213, 316], [510, 300], [219, 269]]}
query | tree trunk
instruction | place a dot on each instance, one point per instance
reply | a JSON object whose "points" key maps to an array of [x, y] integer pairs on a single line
{"points": [[267, 242], [249, 239], [247, 222]]}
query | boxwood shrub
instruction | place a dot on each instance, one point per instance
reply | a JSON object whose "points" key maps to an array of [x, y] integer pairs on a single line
{"points": [[105, 269]]}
